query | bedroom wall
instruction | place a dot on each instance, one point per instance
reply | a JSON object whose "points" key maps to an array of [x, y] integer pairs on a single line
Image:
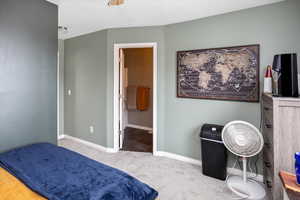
{"points": [[275, 27], [28, 72], [85, 76], [89, 75]]}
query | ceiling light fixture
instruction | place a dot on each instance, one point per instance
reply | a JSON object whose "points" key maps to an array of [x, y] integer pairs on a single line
{"points": [[115, 2]]}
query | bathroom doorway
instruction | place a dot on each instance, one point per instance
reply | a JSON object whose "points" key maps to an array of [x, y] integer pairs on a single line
{"points": [[138, 99], [136, 105]]}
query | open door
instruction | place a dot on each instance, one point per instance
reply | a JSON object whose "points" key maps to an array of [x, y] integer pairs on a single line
{"points": [[122, 98], [121, 123]]}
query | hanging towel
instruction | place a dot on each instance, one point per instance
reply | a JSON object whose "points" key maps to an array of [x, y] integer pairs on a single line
{"points": [[143, 98], [131, 97]]}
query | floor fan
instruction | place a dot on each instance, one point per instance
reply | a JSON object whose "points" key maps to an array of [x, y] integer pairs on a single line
{"points": [[244, 140]]}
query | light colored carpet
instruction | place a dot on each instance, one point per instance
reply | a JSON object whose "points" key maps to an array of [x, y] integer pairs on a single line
{"points": [[174, 180]]}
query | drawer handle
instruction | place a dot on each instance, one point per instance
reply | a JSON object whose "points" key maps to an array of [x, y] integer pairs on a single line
{"points": [[269, 184], [268, 145], [266, 109], [268, 164], [269, 126]]}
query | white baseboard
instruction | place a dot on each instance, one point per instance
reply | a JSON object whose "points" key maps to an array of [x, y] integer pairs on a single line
{"points": [[178, 157], [90, 144], [231, 171], [61, 137], [139, 127]]}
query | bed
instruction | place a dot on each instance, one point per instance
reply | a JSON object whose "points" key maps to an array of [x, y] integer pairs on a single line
{"points": [[45, 171]]}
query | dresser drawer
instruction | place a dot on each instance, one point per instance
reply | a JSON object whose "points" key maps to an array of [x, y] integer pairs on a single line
{"points": [[269, 184], [267, 131], [269, 189], [266, 98], [268, 161], [267, 110], [267, 107], [268, 142], [268, 118], [268, 177], [267, 122], [269, 194]]}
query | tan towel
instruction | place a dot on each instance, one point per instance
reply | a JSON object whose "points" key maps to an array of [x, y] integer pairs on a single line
{"points": [[143, 98], [131, 97]]}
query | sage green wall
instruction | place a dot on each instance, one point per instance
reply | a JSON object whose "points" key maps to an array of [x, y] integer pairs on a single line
{"points": [[85, 76], [89, 75], [275, 27]]}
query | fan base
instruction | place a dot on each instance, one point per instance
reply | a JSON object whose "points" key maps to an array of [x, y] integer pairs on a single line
{"points": [[250, 189]]}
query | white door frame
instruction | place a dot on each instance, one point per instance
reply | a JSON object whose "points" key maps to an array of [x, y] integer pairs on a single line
{"points": [[58, 97], [117, 47]]}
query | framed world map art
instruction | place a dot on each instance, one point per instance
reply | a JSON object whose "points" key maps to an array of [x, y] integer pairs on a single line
{"points": [[230, 73]]}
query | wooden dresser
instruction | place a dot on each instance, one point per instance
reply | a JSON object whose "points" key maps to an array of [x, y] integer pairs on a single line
{"points": [[281, 130]]}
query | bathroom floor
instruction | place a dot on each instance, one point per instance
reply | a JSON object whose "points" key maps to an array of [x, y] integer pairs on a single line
{"points": [[137, 140]]}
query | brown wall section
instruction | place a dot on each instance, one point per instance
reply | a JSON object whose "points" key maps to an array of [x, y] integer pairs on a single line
{"points": [[139, 62]]}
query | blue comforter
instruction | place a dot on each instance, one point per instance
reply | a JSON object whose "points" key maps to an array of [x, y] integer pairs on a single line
{"points": [[59, 174]]}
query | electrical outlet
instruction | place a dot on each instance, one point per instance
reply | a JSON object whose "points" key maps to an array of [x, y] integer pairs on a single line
{"points": [[92, 129], [69, 92]]}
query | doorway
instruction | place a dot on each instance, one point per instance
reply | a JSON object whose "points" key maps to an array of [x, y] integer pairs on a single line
{"points": [[135, 101]]}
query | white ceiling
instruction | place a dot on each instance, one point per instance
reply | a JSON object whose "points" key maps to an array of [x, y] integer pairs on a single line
{"points": [[86, 16]]}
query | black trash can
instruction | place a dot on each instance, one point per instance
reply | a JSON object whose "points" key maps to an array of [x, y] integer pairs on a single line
{"points": [[214, 153]]}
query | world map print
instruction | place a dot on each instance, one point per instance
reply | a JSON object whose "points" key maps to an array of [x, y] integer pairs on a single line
{"points": [[225, 73]]}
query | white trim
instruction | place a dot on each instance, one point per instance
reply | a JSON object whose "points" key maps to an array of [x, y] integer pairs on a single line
{"points": [[58, 96], [155, 96], [178, 157], [117, 47], [139, 127], [110, 150], [90, 144], [60, 137], [231, 171]]}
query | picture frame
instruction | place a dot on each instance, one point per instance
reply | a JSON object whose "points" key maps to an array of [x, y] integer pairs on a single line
{"points": [[226, 73]]}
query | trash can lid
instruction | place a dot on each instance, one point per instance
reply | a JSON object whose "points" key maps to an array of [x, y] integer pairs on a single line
{"points": [[211, 131]]}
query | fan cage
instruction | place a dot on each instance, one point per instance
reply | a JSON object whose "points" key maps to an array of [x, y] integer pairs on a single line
{"points": [[250, 149]]}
